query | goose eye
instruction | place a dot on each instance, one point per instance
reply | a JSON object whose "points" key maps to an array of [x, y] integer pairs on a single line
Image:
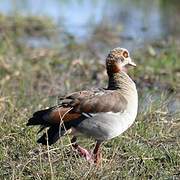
{"points": [[125, 54]]}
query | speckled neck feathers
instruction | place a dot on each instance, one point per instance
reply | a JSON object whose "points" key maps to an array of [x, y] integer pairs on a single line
{"points": [[121, 81]]}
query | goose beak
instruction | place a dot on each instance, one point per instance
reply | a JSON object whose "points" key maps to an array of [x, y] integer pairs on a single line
{"points": [[131, 63]]}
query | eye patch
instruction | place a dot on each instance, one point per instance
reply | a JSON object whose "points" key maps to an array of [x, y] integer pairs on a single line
{"points": [[125, 54]]}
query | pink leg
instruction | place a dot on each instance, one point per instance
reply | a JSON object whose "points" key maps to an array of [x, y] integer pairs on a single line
{"points": [[82, 152], [97, 154]]}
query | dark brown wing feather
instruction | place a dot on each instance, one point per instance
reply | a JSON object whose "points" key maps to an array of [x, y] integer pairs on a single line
{"points": [[72, 106], [108, 102], [70, 111], [95, 101]]}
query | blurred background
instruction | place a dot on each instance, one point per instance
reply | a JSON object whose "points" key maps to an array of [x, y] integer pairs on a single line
{"points": [[54, 47], [118, 22]]}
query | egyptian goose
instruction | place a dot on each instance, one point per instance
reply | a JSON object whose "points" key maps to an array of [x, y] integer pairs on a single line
{"points": [[102, 113]]}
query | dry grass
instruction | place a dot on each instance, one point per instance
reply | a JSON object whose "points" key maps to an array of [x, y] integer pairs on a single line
{"points": [[30, 79]]}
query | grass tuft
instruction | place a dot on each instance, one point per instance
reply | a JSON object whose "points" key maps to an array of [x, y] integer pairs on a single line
{"points": [[30, 79]]}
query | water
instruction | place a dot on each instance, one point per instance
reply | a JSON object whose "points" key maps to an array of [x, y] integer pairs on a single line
{"points": [[136, 21]]}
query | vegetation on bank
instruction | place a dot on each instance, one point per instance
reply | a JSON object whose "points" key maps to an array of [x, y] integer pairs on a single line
{"points": [[30, 79]]}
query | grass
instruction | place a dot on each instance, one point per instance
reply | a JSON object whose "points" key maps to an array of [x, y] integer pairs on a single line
{"points": [[31, 78]]}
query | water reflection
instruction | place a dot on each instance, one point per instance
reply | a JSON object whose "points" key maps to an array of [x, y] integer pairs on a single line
{"points": [[139, 21]]}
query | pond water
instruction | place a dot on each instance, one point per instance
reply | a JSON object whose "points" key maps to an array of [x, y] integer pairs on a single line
{"points": [[136, 21]]}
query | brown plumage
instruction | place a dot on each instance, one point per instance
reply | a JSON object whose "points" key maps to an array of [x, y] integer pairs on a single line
{"points": [[91, 102], [79, 109]]}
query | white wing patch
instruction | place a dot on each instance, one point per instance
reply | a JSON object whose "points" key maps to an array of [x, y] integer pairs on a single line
{"points": [[89, 115]]}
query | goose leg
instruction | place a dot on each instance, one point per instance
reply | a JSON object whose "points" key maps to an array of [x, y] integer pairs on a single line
{"points": [[82, 151], [97, 153]]}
